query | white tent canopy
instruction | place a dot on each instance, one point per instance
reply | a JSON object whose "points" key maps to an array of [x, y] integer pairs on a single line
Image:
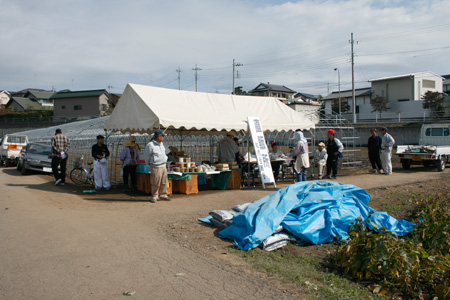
{"points": [[142, 109]]}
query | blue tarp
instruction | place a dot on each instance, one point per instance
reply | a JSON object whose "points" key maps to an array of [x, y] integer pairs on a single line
{"points": [[314, 212]]}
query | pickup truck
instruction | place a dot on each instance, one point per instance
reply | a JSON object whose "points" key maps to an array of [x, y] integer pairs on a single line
{"points": [[10, 148], [433, 148]]}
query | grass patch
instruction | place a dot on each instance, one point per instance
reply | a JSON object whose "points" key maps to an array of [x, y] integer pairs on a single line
{"points": [[305, 272]]}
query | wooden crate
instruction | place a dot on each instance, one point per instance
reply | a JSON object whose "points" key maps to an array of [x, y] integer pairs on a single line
{"points": [[147, 184], [140, 182], [144, 185], [235, 180], [186, 187]]}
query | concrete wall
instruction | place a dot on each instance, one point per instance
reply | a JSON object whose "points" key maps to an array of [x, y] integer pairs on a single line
{"points": [[402, 135]]}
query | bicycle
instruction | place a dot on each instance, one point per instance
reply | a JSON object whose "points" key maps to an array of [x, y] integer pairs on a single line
{"points": [[81, 175]]}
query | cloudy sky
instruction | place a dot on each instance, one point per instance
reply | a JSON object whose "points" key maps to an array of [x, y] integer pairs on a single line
{"points": [[85, 44]]}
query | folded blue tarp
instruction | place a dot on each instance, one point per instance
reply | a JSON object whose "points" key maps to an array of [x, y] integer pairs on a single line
{"points": [[314, 212]]}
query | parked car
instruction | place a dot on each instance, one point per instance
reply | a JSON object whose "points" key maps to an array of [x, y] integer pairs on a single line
{"points": [[10, 148], [433, 148], [35, 157]]}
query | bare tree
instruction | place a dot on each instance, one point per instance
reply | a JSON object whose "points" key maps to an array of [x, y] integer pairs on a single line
{"points": [[379, 104], [345, 107], [433, 101]]}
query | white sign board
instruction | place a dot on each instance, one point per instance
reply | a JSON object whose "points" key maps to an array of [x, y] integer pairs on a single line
{"points": [[261, 150]]}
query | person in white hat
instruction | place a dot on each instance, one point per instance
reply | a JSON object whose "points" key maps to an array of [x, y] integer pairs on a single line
{"points": [[320, 159]]}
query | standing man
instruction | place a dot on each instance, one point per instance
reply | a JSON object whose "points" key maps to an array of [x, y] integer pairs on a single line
{"points": [[60, 147], [334, 151], [374, 147], [387, 143], [227, 149], [100, 153], [155, 156]]}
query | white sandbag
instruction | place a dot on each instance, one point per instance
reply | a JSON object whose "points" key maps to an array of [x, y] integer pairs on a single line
{"points": [[241, 207], [276, 246], [279, 229], [275, 238], [222, 215]]}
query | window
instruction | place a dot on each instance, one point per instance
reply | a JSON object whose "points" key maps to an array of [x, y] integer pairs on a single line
{"points": [[437, 132], [77, 107], [403, 100], [357, 109], [18, 139], [63, 107], [431, 84]]}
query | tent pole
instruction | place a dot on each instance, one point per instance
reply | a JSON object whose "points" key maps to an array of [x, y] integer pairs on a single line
{"points": [[248, 160], [210, 150]]}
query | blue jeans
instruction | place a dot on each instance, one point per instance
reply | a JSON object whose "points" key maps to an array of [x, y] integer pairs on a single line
{"points": [[302, 175]]}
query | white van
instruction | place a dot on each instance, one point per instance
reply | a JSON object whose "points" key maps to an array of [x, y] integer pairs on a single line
{"points": [[435, 134], [10, 148]]}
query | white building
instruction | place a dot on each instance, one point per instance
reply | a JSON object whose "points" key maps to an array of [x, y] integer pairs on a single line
{"points": [[404, 93], [4, 97]]}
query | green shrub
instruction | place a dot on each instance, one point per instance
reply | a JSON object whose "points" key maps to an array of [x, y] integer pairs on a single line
{"points": [[417, 265]]}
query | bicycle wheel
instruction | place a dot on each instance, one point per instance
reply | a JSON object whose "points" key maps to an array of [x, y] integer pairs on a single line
{"points": [[79, 176]]}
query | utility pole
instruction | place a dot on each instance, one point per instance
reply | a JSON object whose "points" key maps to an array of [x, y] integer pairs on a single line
{"points": [[235, 65], [353, 80], [179, 77], [339, 84], [196, 76]]}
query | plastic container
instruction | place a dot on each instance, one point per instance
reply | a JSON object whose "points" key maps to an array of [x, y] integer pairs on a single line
{"points": [[143, 168]]}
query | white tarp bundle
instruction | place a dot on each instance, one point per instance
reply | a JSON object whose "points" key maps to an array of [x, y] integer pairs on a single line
{"points": [[144, 108]]}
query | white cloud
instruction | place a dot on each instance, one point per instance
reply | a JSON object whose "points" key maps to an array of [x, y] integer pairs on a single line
{"points": [[298, 44]]}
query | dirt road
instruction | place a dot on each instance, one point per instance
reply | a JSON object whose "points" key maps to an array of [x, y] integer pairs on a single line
{"points": [[60, 243]]}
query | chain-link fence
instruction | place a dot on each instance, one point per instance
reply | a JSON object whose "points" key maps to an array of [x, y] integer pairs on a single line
{"points": [[82, 135]]}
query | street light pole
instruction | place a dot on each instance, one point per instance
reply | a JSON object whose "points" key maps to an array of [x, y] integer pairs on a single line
{"points": [[339, 84]]}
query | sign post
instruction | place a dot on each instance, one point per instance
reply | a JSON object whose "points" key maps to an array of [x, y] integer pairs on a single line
{"points": [[261, 150]]}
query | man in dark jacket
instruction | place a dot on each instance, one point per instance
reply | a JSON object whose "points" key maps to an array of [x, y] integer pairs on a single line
{"points": [[334, 151], [374, 147]]}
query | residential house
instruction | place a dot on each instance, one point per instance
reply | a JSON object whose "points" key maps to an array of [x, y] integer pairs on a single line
{"points": [[43, 97], [20, 104], [80, 104], [307, 103], [446, 84], [273, 90], [362, 97], [4, 97]]}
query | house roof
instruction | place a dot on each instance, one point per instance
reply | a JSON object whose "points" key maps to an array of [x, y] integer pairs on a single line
{"points": [[348, 93], [78, 94], [262, 87], [26, 103], [305, 95], [403, 76], [41, 95]]}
